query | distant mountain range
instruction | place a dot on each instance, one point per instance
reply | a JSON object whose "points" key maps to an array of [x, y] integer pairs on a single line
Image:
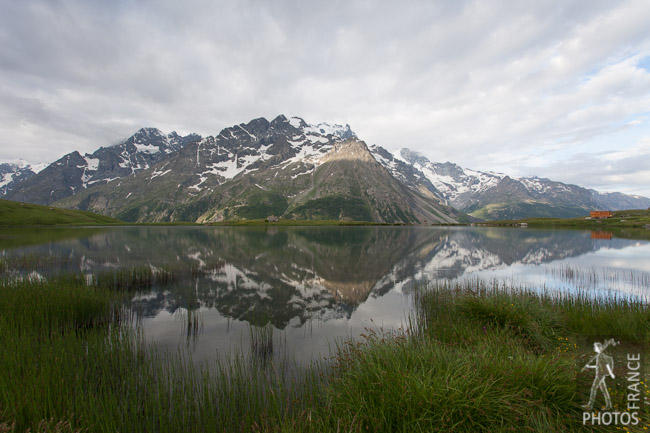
{"points": [[489, 195], [11, 174], [288, 168]]}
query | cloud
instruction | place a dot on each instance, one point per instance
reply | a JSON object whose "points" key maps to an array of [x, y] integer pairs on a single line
{"points": [[625, 170], [481, 83]]}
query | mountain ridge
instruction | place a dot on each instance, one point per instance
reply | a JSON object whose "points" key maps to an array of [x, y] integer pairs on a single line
{"points": [[74, 172], [287, 167], [491, 195]]}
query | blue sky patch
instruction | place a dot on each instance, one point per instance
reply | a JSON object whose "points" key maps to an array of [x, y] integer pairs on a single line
{"points": [[644, 63]]}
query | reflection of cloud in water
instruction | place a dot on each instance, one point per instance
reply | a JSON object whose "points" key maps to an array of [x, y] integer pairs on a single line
{"points": [[605, 272]]}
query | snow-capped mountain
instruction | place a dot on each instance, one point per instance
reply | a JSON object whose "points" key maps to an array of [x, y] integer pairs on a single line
{"points": [[75, 172], [11, 174], [246, 148], [285, 167], [491, 195]]}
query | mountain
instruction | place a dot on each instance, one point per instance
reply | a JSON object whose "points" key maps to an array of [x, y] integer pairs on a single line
{"points": [[494, 196], [12, 174], [289, 168], [75, 172], [285, 167]]}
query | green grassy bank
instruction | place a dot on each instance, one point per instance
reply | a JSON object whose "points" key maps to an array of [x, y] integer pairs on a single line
{"points": [[15, 214], [624, 219], [21, 214], [476, 359], [483, 359]]}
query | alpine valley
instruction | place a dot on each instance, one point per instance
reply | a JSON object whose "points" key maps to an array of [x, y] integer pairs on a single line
{"points": [[290, 169]]}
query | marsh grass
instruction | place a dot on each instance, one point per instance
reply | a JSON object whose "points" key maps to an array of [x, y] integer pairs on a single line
{"points": [[476, 357], [67, 363], [484, 357], [584, 279]]}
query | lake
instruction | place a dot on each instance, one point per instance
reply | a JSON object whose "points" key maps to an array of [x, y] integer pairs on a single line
{"points": [[315, 286]]}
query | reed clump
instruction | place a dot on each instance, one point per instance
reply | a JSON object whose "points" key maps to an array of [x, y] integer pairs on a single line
{"points": [[484, 357], [69, 362], [475, 357]]}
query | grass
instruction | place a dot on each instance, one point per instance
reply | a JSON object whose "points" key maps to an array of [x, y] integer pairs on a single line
{"points": [[21, 214], [67, 363], [474, 358], [624, 219], [15, 214], [485, 359]]}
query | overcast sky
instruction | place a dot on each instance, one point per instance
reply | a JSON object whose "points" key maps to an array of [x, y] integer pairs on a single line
{"points": [[557, 89]]}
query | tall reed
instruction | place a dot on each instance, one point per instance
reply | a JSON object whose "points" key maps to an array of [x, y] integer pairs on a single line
{"points": [[67, 361], [475, 357]]}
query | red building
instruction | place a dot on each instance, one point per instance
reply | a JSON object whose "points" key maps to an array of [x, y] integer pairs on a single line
{"points": [[600, 214]]}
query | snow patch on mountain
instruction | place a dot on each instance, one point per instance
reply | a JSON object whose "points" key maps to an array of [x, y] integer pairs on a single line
{"points": [[157, 173], [295, 122], [146, 148], [449, 180], [6, 179], [307, 152], [325, 129], [37, 168], [237, 151], [12, 173], [91, 163]]}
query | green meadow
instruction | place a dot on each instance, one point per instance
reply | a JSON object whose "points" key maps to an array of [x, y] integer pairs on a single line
{"points": [[26, 214], [16, 214], [473, 358], [623, 219]]}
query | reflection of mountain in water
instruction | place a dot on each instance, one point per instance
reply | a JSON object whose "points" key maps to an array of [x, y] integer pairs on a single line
{"points": [[287, 275], [291, 275]]}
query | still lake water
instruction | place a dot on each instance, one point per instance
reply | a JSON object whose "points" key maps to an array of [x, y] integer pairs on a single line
{"points": [[320, 285]]}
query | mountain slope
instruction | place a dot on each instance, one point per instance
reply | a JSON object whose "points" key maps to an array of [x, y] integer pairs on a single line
{"points": [[75, 172], [289, 168], [349, 180], [490, 195], [285, 167]]}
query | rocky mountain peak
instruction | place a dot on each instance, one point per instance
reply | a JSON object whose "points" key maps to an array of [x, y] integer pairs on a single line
{"points": [[283, 167], [279, 120], [341, 132], [351, 149], [411, 156], [148, 132]]}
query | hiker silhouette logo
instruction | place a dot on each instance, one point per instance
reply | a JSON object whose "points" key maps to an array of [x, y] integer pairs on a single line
{"points": [[604, 367], [624, 412]]}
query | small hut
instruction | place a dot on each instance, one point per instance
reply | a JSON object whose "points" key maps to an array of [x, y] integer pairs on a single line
{"points": [[600, 214]]}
